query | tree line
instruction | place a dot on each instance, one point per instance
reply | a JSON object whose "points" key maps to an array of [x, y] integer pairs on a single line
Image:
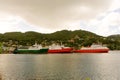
{"points": [[77, 38]]}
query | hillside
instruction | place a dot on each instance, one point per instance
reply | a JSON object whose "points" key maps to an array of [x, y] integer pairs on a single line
{"points": [[115, 37], [114, 42], [75, 38]]}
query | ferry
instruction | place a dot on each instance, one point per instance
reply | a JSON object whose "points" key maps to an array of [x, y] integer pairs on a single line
{"points": [[94, 48], [55, 48], [35, 49]]}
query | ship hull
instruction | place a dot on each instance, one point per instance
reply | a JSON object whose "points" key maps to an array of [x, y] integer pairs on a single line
{"points": [[91, 51], [40, 51], [63, 50]]}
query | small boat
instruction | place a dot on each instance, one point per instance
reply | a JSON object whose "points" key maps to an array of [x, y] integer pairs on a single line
{"points": [[93, 49], [35, 49], [59, 49]]}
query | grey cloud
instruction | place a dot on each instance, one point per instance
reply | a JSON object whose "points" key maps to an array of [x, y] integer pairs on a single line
{"points": [[54, 13]]}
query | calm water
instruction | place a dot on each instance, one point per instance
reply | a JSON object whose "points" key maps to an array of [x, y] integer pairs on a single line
{"points": [[60, 66]]}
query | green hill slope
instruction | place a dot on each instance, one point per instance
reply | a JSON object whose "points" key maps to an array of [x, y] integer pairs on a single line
{"points": [[75, 38]]}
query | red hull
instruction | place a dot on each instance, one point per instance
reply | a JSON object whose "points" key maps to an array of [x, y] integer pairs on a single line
{"points": [[63, 50], [91, 51]]}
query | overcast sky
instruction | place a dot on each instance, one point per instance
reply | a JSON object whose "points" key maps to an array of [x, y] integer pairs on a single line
{"points": [[99, 16]]}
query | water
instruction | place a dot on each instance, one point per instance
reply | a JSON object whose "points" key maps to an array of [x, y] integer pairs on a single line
{"points": [[60, 66]]}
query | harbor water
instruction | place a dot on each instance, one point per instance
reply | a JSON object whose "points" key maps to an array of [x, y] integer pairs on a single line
{"points": [[76, 66]]}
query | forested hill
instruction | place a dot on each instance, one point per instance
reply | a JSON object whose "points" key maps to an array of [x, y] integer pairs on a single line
{"points": [[114, 42], [35, 36], [114, 37], [69, 38]]}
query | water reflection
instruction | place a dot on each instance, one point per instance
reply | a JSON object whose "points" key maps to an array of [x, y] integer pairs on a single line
{"points": [[60, 66]]}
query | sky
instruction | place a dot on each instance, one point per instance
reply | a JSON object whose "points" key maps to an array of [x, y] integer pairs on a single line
{"points": [[46, 16]]}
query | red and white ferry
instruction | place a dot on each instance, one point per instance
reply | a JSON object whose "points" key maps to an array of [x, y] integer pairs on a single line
{"points": [[95, 48], [55, 48]]}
